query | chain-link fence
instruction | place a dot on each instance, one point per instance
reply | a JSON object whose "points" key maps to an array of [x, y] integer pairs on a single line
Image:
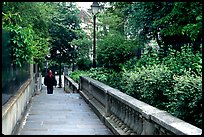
{"points": [[12, 77]]}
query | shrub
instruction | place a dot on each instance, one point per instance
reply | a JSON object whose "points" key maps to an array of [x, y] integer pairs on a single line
{"points": [[186, 98], [75, 75], [100, 74], [114, 79], [149, 84], [179, 62], [150, 57], [84, 63], [114, 49]]}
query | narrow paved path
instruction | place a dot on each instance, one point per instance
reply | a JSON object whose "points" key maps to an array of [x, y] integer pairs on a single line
{"points": [[61, 114]]}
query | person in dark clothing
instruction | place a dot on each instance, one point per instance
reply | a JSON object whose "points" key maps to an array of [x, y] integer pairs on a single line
{"points": [[50, 81]]}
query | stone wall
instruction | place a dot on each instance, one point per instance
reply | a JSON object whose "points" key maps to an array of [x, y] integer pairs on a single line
{"points": [[14, 110], [125, 115], [70, 85]]}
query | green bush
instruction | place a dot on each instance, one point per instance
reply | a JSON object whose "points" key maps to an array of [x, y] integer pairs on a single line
{"points": [[149, 84], [114, 79], [114, 49], [150, 57], [75, 75], [84, 64], [179, 62], [158, 86], [186, 98], [100, 74]]}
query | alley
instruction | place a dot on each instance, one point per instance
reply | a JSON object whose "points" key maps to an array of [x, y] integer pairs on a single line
{"points": [[61, 114]]}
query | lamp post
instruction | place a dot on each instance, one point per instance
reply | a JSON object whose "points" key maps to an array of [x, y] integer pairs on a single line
{"points": [[60, 66], [46, 67], [95, 8], [47, 57]]}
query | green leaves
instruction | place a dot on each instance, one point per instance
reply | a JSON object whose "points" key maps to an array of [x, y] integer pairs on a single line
{"points": [[114, 49], [179, 62], [185, 99], [28, 27], [62, 30], [21, 43]]}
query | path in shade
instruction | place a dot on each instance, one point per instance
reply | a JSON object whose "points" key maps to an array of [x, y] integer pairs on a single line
{"points": [[61, 114]]}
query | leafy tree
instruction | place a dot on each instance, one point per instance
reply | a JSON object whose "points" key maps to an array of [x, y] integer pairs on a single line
{"points": [[114, 49], [64, 22], [142, 17], [83, 45], [118, 13], [113, 46], [29, 40], [170, 23]]}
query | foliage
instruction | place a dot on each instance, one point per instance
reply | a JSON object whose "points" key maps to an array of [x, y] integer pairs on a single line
{"points": [[29, 41], [114, 49], [170, 23], [148, 84], [82, 43], [143, 14], [113, 45], [100, 74], [120, 12], [75, 75], [185, 99], [175, 23], [158, 86], [82, 46], [64, 22], [129, 64], [179, 62], [84, 64], [22, 44], [148, 58], [109, 21]]}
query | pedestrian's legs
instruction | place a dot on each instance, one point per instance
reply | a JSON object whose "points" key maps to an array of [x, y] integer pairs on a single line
{"points": [[49, 90]]}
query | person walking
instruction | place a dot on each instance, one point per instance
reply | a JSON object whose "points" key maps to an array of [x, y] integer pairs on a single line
{"points": [[50, 81]]}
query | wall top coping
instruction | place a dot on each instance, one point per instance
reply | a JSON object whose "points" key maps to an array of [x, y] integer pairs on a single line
{"points": [[12, 100], [72, 81], [161, 117]]}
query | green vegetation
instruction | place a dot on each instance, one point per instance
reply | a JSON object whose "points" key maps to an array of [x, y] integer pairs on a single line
{"points": [[63, 28], [167, 75], [83, 46], [39, 29], [167, 86], [29, 31]]}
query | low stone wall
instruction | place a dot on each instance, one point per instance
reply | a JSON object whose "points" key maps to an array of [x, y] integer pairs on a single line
{"points": [[70, 85], [125, 115], [13, 111]]}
